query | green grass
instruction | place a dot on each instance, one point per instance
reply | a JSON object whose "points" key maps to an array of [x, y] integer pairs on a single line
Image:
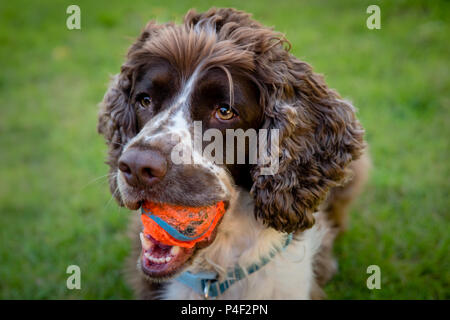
{"points": [[53, 213]]}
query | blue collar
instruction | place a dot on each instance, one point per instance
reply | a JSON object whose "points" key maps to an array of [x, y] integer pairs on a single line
{"points": [[207, 284]]}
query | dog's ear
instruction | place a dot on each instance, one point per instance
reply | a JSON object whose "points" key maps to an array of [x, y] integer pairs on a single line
{"points": [[319, 136], [117, 118], [117, 123]]}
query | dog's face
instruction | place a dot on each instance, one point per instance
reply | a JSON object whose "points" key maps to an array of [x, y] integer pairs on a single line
{"points": [[223, 71], [167, 101]]}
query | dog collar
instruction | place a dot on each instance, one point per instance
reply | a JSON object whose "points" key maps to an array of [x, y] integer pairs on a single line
{"points": [[207, 284]]}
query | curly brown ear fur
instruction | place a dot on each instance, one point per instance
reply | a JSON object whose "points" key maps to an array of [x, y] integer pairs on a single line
{"points": [[319, 137], [117, 123], [117, 119], [318, 132]]}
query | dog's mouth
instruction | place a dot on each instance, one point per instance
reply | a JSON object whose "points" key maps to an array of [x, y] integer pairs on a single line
{"points": [[160, 261]]}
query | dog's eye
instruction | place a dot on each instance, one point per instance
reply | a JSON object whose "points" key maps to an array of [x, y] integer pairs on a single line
{"points": [[224, 112], [145, 101]]}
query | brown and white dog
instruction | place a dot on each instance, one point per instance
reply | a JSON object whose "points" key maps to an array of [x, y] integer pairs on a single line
{"points": [[229, 72]]}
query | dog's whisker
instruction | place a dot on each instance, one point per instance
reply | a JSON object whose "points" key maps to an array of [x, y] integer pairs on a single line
{"points": [[117, 143], [96, 180], [111, 198], [215, 265]]}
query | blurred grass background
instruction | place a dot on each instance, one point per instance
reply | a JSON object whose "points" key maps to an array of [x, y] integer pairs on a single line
{"points": [[55, 207]]}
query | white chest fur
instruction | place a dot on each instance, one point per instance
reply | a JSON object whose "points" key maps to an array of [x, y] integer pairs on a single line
{"points": [[244, 240]]}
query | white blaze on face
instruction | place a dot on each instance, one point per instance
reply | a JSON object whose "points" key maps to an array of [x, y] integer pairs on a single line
{"points": [[175, 125], [174, 120]]}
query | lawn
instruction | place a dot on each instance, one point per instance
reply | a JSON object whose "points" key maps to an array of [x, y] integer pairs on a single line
{"points": [[55, 207]]}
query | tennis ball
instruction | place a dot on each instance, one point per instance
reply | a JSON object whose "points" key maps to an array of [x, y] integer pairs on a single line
{"points": [[180, 225]]}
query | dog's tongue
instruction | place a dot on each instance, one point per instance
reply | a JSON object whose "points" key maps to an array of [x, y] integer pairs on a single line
{"points": [[178, 225]]}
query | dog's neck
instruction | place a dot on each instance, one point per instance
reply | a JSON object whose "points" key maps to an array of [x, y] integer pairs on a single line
{"points": [[244, 240], [241, 239]]}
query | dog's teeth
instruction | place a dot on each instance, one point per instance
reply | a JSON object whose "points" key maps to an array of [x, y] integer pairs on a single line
{"points": [[175, 250], [146, 244]]}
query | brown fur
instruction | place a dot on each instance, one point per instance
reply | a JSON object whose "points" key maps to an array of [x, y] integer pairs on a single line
{"points": [[319, 133], [340, 198]]}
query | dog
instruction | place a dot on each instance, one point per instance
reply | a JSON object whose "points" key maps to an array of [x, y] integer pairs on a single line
{"points": [[226, 71]]}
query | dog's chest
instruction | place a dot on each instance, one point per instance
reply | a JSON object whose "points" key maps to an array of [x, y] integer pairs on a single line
{"points": [[289, 275]]}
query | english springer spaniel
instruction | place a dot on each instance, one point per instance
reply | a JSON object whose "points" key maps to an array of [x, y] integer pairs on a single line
{"points": [[226, 71]]}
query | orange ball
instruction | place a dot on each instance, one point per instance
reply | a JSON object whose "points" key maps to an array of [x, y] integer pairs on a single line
{"points": [[178, 225]]}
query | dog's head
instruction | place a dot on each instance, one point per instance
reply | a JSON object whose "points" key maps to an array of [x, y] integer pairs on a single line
{"points": [[222, 70]]}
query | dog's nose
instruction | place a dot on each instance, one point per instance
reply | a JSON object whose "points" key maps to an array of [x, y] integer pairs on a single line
{"points": [[142, 167]]}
